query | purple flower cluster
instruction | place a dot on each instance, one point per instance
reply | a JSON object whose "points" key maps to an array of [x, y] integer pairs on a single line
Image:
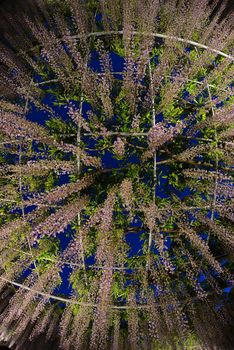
{"points": [[100, 326], [61, 192], [119, 147], [58, 221], [158, 135]]}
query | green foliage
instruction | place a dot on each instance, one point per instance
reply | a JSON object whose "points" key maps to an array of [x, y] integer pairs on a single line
{"points": [[48, 253], [201, 115], [34, 184], [117, 289], [50, 181], [208, 133], [58, 127], [117, 46], [173, 112], [123, 112]]}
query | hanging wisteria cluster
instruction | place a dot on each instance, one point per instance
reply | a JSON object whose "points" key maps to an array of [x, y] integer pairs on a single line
{"points": [[116, 149]]}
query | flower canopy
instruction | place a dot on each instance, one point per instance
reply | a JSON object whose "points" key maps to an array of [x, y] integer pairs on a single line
{"points": [[116, 202]]}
